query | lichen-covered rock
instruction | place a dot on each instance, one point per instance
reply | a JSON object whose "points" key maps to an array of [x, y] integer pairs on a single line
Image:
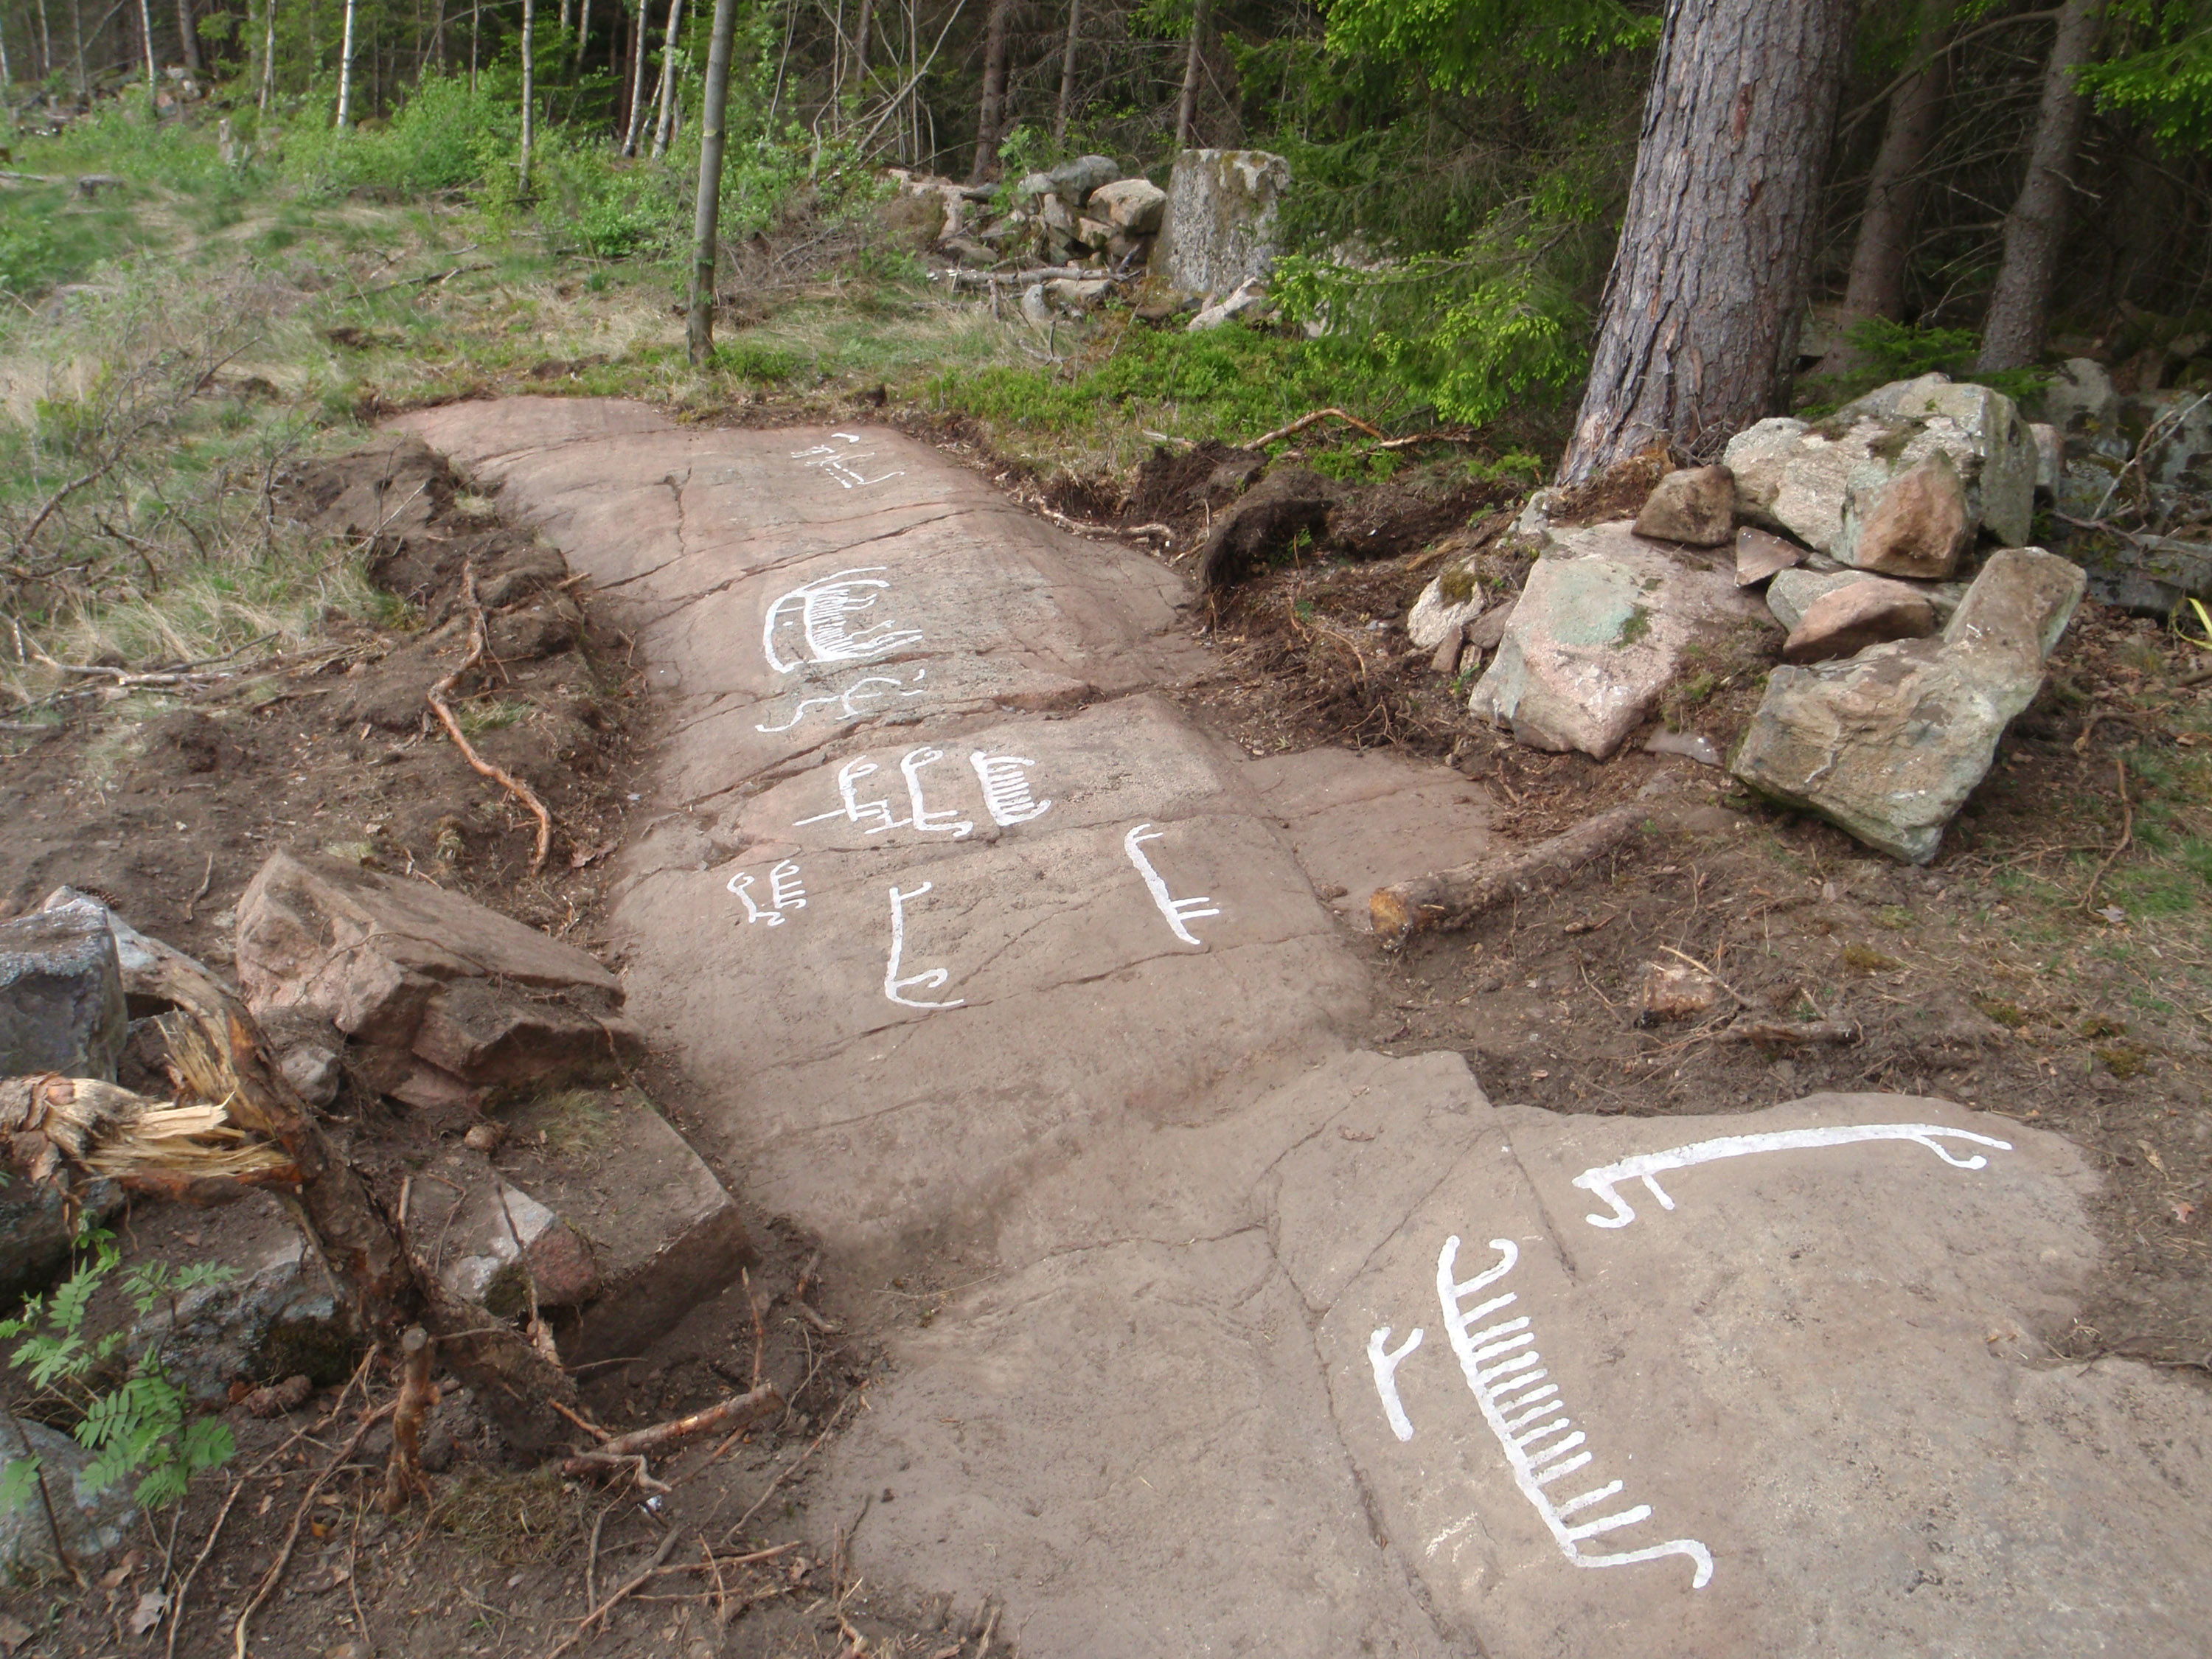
{"points": [[1888, 744], [1694, 505], [1598, 635], [91, 1523], [1845, 621], [61, 994], [1247, 299], [1217, 225], [1446, 606], [277, 1319], [1135, 205], [1074, 181], [1822, 483]]}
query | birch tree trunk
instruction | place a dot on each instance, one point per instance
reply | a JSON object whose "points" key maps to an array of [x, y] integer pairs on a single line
{"points": [[77, 32], [860, 47], [1067, 74], [1193, 65], [529, 98], [153, 74], [268, 55], [661, 129], [345, 70], [2035, 229], [45, 44], [990, 108], [188, 36], [1698, 326], [1875, 287], [636, 81], [714, 111]]}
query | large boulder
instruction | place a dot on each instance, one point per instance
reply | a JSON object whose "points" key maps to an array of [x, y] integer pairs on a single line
{"points": [[1888, 744], [91, 1523], [61, 994], [447, 1003], [1074, 181], [1218, 226], [1826, 482], [1599, 634]]}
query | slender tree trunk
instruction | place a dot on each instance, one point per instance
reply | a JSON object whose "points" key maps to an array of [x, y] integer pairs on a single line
{"points": [[476, 34], [345, 70], [1875, 287], [528, 98], [438, 36], [636, 83], [1066, 105], [860, 47], [268, 55], [1699, 321], [1192, 65], [583, 38], [661, 129], [45, 44], [188, 36], [990, 110], [714, 111], [153, 74], [77, 31], [2035, 229], [7, 73]]}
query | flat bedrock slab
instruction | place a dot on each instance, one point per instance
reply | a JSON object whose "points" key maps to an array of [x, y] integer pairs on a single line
{"points": [[1819, 1367]]}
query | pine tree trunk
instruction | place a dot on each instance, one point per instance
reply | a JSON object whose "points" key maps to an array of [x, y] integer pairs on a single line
{"points": [[1700, 323], [714, 111], [583, 43], [1193, 63], [1067, 74], [529, 100], [991, 107], [1875, 287], [189, 36], [2035, 229], [662, 131]]}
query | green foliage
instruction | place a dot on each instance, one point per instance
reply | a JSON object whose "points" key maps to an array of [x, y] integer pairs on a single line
{"points": [[444, 138], [2163, 75], [139, 1423], [1488, 45], [1882, 351]]}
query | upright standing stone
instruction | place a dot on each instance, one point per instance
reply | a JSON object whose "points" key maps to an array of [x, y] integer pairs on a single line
{"points": [[1218, 229]]}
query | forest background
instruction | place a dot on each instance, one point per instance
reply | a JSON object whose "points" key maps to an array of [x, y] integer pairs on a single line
{"points": [[340, 204]]}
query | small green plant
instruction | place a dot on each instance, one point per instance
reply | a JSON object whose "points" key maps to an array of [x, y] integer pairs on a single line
{"points": [[137, 1424], [1638, 625]]}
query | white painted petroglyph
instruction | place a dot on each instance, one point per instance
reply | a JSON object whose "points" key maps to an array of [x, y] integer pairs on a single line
{"points": [[786, 892], [824, 609], [1385, 1362], [1006, 793], [852, 701], [877, 815], [924, 820], [1648, 1165], [841, 464], [1540, 1443], [932, 979], [1178, 911]]}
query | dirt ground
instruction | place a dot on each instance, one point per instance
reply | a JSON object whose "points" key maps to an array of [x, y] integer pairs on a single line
{"points": [[1996, 978]]}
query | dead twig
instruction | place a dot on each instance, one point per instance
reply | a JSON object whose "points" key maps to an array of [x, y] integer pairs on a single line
{"points": [[177, 1607], [791, 1467], [2127, 834], [629, 1588], [748, 1407], [1742, 1001], [299, 1518], [499, 774], [1304, 421]]}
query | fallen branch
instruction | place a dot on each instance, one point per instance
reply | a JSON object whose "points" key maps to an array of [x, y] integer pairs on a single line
{"points": [[791, 1467], [584, 1625], [499, 774], [1305, 421], [1783, 1033], [176, 1606], [750, 1406], [1452, 898]]}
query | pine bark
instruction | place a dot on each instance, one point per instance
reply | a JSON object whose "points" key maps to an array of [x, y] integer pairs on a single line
{"points": [[714, 114], [1194, 63], [1875, 287], [188, 36], [2035, 229], [1067, 74], [991, 107], [1698, 326]]}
